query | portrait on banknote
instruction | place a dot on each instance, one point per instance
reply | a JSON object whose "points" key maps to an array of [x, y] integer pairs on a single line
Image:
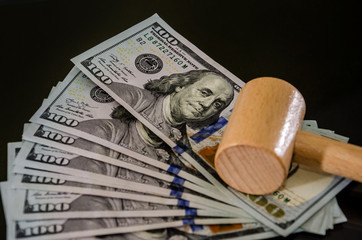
{"points": [[167, 88], [171, 103]]}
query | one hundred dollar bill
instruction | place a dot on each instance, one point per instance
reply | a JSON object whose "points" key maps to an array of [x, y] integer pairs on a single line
{"points": [[46, 204], [43, 180], [83, 227], [138, 144], [114, 135], [76, 228], [50, 181], [62, 228], [41, 229], [186, 98], [233, 231], [40, 205], [319, 223], [55, 205], [74, 144], [41, 157]]}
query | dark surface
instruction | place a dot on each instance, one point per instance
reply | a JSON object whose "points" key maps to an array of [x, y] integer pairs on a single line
{"points": [[312, 44]]}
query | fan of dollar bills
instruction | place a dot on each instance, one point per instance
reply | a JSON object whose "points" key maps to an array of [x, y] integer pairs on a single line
{"points": [[123, 148]]}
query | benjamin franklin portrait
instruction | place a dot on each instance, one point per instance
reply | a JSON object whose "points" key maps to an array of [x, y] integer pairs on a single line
{"points": [[171, 103]]}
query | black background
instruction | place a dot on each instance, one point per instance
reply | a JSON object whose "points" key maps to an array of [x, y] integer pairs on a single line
{"points": [[314, 45]]}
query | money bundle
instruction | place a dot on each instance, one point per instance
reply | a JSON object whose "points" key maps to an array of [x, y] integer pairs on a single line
{"points": [[123, 148]]}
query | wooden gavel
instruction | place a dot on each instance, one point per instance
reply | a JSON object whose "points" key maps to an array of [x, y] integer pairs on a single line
{"points": [[263, 135]]}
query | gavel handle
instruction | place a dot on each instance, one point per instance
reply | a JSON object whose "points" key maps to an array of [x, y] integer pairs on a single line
{"points": [[328, 155]]}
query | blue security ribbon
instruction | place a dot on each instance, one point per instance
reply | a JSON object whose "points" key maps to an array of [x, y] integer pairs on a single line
{"points": [[175, 169], [175, 193], [190, 212], [178, 180], [183, 203], [188, 221], [180, 148], [209, 130], [195, 227]]}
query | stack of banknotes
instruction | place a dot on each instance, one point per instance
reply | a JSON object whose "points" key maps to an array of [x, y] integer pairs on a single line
{"points": [[123, 148]]}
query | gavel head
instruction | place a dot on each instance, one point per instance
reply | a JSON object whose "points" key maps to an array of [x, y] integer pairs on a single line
{"points": [[257, 146]]}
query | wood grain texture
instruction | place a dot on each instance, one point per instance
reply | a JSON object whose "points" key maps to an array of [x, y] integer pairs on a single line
{"points": [[256, 149], [263, 132], [328, 155]]}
